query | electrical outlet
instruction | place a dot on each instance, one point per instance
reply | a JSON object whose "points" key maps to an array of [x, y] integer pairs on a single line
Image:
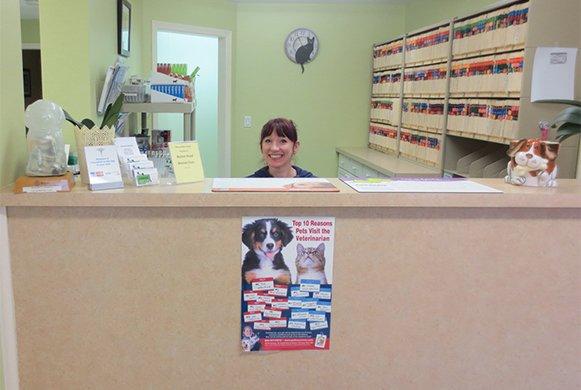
{"points": [[247, 121]]}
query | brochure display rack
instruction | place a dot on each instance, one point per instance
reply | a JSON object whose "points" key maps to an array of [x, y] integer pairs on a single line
{"points": [[463, 88]]}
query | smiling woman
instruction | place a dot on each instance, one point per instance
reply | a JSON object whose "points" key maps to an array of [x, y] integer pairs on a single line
{"points": [[279, 143]]}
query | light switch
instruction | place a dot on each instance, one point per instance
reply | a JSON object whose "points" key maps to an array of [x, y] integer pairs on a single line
{"points": [[247, 121]]}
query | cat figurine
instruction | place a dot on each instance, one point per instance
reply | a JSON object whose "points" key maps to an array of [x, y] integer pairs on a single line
{"points": [[310, 263], [303, 54]]}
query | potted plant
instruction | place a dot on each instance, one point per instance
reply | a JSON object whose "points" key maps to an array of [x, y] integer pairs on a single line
{"points": [[568, 121], [88, 134]]}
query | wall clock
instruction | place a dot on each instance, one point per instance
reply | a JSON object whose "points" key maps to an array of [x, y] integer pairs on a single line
{"points": [[301, 46]]}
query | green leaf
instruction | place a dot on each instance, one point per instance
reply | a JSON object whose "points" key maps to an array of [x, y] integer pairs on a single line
{"points": [[568, 115], [112, 112], [557, 101], [195, 72], [89, 123], [567, 130], [69, 118]]}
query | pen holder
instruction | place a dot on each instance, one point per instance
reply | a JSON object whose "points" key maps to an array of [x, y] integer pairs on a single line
{"points": [[532, 163], [91, 137]]}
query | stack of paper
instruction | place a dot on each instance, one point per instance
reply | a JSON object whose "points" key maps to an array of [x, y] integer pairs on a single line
{"points": [[272, 185], [419, 185]]}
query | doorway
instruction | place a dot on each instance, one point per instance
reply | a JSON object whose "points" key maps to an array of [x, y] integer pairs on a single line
{"points": [[31, 73], [210, 49]]}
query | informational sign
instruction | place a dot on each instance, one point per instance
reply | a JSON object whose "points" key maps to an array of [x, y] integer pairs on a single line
{"points": [[287, 278], [186, 161], [553, 73]]}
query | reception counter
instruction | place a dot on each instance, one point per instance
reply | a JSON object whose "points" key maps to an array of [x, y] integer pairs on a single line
{"points": [[140, 288]]}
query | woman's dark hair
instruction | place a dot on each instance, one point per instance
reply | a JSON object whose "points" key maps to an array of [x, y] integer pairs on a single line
{"points": [[283, 128]]}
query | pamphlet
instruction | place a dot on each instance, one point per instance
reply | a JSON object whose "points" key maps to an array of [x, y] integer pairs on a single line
{"points": [[186, 161], [287, 283], [126, 148], [309, 184], [419, 185], [103, 167]]}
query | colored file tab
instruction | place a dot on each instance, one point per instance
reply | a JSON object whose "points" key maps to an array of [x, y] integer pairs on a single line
{"points": [[186, 161]]}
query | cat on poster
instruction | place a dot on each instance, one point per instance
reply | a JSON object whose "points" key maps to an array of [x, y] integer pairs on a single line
{"points": [[287, 278]]}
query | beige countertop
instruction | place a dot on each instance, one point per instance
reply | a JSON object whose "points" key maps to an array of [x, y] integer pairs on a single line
{"points": [[567, 195], [386, 164]]}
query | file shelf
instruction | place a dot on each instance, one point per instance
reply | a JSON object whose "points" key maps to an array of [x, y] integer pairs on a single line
{"points": [[428, 45], [387, 83], [388, 55], [481, 72]]}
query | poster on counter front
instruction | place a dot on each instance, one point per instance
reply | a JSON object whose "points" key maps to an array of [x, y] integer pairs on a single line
{"points": [[287, 278]]}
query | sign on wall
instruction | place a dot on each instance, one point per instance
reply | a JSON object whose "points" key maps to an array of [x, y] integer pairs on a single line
{"points": [[287, 277]]}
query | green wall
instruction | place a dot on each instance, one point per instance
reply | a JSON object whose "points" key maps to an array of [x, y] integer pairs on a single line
{"points": [[12, 138], [77, 47], [422, 13], [30, 31], [65, 57], [330, 101], [220, 14]]}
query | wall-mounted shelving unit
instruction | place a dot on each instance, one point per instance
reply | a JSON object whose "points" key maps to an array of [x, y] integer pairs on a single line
{"points": [[464, 88], [185, 108]]}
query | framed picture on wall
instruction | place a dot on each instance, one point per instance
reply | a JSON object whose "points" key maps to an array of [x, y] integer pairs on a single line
{"points": [[27, 83], [123, 27]]}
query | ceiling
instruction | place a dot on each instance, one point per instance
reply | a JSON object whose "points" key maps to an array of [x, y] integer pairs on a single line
{"points": [[29, 8], [326, 1]]}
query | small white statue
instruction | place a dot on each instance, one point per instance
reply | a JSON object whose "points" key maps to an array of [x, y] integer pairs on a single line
{"points": [[532, 163]]}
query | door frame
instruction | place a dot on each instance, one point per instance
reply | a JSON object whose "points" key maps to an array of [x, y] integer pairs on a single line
{"points": [[31, 46], [224, 82]]}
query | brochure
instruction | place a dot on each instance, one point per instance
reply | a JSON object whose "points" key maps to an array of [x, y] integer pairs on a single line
{"points": [[287, 282], [419, 185], [103, 167], [309, 184]]}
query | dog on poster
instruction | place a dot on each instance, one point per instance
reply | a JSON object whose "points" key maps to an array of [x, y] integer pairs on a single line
{"points": [[265, 239]]}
